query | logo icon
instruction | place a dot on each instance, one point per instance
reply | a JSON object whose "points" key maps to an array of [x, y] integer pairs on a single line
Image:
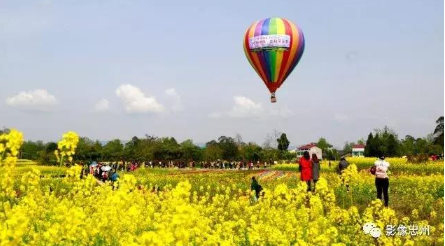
{"points": [[371, 229]]}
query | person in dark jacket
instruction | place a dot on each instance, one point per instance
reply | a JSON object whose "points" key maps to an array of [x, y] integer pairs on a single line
{"points": [[342, 165], [315, 169], [256, 187]]}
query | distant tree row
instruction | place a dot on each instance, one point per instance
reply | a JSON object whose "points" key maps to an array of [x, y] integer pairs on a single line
{"points": [[386, 142], [381, 141], [151, 148]]}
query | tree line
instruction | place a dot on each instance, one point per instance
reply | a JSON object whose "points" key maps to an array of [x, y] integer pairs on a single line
{"points": [[151, 148], [381, 141]]}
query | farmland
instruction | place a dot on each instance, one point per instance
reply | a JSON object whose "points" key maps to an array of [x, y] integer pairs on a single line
{"points": [[43, 205]]}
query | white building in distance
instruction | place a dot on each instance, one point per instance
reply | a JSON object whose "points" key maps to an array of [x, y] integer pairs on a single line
{"points": [[311, 148], [358, 150]]}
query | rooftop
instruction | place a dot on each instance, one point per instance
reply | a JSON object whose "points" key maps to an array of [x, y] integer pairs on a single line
{"points": [[307, 146], [359, 146]]}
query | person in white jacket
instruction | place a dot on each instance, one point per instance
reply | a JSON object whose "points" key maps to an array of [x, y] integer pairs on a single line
{"points": [[381, 179]]}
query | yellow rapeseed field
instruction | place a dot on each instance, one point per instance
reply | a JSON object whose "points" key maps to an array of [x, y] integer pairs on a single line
{"points": [[160, 207]]}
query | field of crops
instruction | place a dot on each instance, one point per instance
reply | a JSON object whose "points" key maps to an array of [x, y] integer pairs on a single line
{"points": [[216, 207]]}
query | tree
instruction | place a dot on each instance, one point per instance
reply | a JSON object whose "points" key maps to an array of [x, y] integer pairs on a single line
{"points": [[347, 148], [378, 146], [84, 149], [169, 149], [369, 149], [213, 152], [270, 154], [384, 142], [47, 156], [408, 145], [131, 148], [283, 142], [392, 147], [239, 140], [421, 146], [251, 152], [96, 150], [189, 151], [332, 154], [113, 150], [323, 144], [438, 132], [31, 150], [229, 148]]}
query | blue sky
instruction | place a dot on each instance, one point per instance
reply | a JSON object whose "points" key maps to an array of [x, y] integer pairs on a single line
{"points": [[115, 69]]}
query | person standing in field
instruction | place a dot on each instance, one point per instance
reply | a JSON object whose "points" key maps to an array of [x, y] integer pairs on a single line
{"points": [[381, 179], [306, 169], [256, 187], [315, 169], [342, 165]]}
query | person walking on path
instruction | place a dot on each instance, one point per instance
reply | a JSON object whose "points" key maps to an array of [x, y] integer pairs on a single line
{"points": [[381, 179], [306, 169], [315, 169]]}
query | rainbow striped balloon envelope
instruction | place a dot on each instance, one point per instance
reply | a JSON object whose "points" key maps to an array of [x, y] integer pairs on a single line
{"points": [[274, 47]]}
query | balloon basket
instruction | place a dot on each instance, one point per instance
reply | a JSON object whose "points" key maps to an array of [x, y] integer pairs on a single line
{"points": [[273, 99]]}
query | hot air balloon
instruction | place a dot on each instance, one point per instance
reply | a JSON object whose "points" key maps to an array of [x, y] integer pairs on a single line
{"points": [[274, 47]]}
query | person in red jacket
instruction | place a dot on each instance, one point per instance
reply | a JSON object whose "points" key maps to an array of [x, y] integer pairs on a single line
{"points": [[306, 169]]}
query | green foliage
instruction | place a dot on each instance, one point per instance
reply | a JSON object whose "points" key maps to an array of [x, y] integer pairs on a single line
{"points": [[347, 148], [88, 150], [190, 151], [323, 144], [251, 152], [438, 132], [46, 156], [271, 154], [31, 150], [213, 152], [229, 148], [384, 142], [331, 154], [283, 142], [113, 150]]}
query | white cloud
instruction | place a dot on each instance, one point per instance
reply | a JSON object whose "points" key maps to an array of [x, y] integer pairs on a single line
{"points": [[135, 101], [243, 108], [102, 106], [39, 100], [175, 99], [247, 108]]}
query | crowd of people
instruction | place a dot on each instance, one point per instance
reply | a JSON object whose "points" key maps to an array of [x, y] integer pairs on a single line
{"points": [[101, 171], [132, 166], [310, 173], [309, 168]]}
